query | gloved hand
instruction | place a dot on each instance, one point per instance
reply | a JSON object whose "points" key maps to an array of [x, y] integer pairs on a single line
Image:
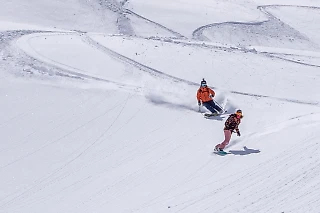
{"points": [[238, 133], [199, 103]]}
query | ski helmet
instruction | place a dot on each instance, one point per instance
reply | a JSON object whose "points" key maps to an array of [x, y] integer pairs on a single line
{"points": [[203, 83]]}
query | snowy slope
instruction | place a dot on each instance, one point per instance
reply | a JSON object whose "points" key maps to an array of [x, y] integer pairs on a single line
{"points": [[99, 111], [68, 15]]}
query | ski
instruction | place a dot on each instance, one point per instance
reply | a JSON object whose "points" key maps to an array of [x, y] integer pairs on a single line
{"points": [[222, 153], [208, 115]]}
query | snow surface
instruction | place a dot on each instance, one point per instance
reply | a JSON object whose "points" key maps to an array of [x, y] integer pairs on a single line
{"points": [[99, 109]]}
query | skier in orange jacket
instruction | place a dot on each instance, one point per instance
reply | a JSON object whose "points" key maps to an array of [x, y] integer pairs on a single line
{"points": [[205, 97]]}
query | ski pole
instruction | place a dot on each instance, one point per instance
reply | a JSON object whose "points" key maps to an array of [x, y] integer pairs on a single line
{"points": [[218, 104]]}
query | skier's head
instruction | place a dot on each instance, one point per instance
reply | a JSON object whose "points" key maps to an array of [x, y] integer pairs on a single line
{"points": [[239, 113], [203, 83]]}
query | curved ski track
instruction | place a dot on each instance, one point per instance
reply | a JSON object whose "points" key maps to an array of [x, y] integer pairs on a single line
{"points": [[124, 25], [162, 75], [198, 33], [157, 73]]}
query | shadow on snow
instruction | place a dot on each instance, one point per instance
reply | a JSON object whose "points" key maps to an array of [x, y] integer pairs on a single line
{"points": [[245, 151]]}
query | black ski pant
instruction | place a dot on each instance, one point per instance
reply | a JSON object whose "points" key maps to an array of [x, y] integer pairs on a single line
{"points": [[211, 106]]}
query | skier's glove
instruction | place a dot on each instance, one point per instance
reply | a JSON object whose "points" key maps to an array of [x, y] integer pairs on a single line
{"points": [[238, 133], [199, 103]]}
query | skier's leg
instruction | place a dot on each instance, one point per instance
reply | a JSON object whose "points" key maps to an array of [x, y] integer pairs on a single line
{"points": [[227, 137], [209, 106], [217, 107]]}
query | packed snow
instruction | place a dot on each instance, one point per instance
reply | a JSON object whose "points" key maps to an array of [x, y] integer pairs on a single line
{"points": [[99, 109]]}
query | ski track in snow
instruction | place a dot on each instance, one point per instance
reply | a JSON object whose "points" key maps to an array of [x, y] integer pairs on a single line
{"points": [[150, 70], [282, 57], [57, 68], [298, 182], [177, 35], [49, 179], [162, 75], [123, 20], [28, 66], [197, 34]]}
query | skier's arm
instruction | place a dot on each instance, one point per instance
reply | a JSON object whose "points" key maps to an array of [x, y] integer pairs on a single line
{"points": [[212, 93], [199, 96], [227, 123], [237, 130]]}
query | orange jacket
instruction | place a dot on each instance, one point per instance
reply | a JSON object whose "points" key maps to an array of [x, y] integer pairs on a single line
{"points": [[205, 94]]}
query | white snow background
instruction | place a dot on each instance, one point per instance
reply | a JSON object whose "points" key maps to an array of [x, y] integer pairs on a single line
{"points": [[99, 111]]}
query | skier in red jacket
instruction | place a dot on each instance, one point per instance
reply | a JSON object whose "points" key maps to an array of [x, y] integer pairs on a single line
{"points": [[231, 125], [205, 97]]}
